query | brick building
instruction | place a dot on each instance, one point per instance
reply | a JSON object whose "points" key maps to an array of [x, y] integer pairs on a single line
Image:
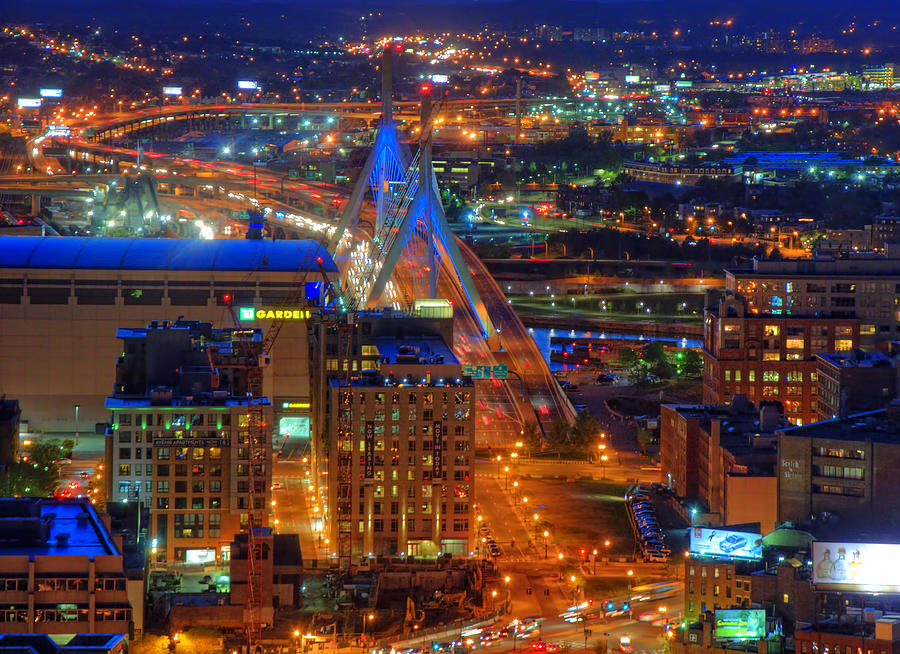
{"points": [[842, 467], [768, 356], [853, 382], [863, 287], [722, 458]]}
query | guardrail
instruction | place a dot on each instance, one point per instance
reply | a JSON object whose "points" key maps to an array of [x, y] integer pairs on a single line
{"points": [[442, 632]]}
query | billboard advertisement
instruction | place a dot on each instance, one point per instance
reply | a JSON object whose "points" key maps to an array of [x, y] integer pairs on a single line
{"points": [[440, 79], [856, 566], [706, 541], [632, 79], [740, 624], [32, 103], [51, 93], [248, 85], [171, 90], [591, 76]]}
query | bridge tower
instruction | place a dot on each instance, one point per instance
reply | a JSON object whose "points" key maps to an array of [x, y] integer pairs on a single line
{"points": [[409, 231]]}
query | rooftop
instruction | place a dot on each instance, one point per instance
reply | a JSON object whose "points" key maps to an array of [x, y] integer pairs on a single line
{"points": [[163, 254], [422, 350], [856, 359], [48, 527], [880, 426]]}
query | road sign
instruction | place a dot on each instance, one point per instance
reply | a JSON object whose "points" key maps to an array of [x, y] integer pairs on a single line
{"points": [[500, 371]]}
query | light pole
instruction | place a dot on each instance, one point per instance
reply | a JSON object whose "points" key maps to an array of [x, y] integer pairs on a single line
{"points": [[506, 478], [498, 466], [368, 618], [516, 493], [603, 459], [546, 535], [77, 406]]}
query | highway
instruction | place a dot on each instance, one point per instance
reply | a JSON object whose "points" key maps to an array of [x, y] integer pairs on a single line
{"points": [[502, 409]]}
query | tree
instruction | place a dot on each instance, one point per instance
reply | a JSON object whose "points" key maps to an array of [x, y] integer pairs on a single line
{"points": [[532, 437], [584, 431], [559, 433], [690, 363], [653, 353], [627, 357]]}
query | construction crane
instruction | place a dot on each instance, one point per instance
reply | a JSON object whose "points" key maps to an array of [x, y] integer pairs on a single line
{"points": [[253, 359]]}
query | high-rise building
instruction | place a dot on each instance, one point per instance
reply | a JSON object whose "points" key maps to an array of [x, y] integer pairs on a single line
{"points": [[768, 356], [394, 419], [179, 441], [859, 287]]}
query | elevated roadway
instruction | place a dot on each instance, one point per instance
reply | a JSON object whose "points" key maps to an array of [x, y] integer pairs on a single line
{"points": [[531, 393]]}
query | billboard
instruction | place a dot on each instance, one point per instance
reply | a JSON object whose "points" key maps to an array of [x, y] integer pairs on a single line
{"points": [[740, 624], [856, 566], [684, 84], [632, 79], [51, 93], [706, 541], [171, 90], [591, 76], [440, 79], [248, 85], [32, 103]]}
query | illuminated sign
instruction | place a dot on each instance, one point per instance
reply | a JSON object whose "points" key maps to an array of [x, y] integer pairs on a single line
{"points": [[437, 451], [192, 442], [591, 76], [200, 556], [661, 87], [632, 79], [856, 566], [58, 130], [499, 371], [295, 405], [369, 449], [171, 90], [249, 313], [249, 85], [730, 544], [29, 102], [51, 93], [740, 624], [684, 84], [440, 79]]}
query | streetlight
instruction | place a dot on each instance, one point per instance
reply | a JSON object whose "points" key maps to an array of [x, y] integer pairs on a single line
{"points": [[515, 492], [506, 478], [369, 617], [603, 460], [77, 406], [546, 534]]}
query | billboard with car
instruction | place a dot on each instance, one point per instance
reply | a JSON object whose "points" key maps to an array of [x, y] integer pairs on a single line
{"points": [[706, 541]]}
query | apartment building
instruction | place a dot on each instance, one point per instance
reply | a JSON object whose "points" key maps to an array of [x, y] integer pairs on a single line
{"points": [[179, 441], [768, 356], [395, 456], [863, 287]]}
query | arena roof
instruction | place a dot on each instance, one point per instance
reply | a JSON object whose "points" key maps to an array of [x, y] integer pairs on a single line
{"points": [[62, 252]]}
